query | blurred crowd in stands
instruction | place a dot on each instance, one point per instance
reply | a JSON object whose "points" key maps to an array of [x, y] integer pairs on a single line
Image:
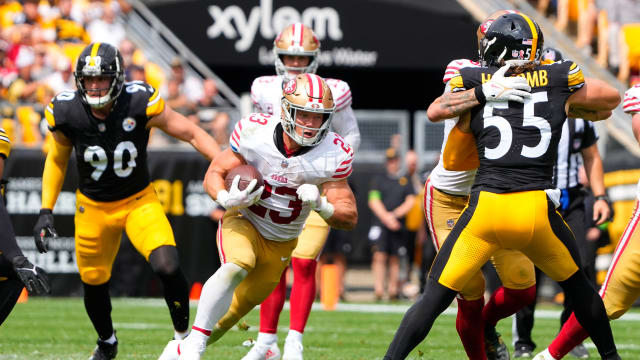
{"points": [[40, 41], [607, 29]]}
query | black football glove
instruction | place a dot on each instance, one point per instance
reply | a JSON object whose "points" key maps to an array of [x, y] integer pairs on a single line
{"points": [[33, 277], [44, 230]]}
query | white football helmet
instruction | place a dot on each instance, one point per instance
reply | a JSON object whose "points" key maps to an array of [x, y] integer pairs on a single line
{"points": [[296, 39], [306, 92]]}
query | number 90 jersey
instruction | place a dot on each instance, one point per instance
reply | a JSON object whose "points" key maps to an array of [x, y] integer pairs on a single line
{"points": [[517, 143], [279, 215], [111, 154]]}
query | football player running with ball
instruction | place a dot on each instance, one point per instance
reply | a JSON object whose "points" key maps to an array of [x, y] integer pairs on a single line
{"points": [[305, 168], [511, 204], [621, 285], [107, 122], [296, 49]]}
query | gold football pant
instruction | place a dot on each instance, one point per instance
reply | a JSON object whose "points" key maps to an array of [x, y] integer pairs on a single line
{"points": [[99, 227], [621, 287], [312, 238], [240, 243], [524, 221], [442, 211]]}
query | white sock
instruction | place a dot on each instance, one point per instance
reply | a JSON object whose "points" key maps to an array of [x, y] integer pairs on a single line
{"points": [[294, 335], [266, 338], [216, 295], [177, 335], [112, 340]]}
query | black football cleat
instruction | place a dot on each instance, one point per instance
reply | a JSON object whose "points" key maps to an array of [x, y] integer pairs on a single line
{"points": [[104, 351]]}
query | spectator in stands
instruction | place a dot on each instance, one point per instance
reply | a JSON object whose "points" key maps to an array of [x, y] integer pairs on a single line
{"points": [[214, 121], [69, 23], [188, 85], [390, 199], [106, 29], [135, 73], [62, 78]]}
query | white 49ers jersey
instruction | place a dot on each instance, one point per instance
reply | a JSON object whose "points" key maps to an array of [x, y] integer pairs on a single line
{"points": [[266, 94], [279, 215], [452, 182]]}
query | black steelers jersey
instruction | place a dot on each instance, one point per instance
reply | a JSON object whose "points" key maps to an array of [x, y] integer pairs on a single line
{"points": [[517, 143], [111, 154]]}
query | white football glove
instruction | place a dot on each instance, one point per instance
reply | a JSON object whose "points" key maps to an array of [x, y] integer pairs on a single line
{"points": [[501, 88], [238, 199], [310, 194]]}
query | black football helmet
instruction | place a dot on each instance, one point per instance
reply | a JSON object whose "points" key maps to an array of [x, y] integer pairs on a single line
{"points": [[513, 36], [100, 59]]}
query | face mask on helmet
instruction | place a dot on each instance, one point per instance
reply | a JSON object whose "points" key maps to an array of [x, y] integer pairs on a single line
{"points": [[296, 40], [484, 26], [306, 92], [99, 60], [512, 36]]}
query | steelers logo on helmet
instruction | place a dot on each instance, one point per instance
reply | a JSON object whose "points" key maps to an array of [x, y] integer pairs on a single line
{"points": [[512, 36], [99, 60], [310, 94], [296, 40]]}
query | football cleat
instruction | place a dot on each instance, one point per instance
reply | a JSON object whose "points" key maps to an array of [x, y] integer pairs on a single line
{"points": [[261, 351], [523, 351], [544, 355], [104, 351], [579, 352], [495, 348], [170, 351], [191, 350], [292, 350]]}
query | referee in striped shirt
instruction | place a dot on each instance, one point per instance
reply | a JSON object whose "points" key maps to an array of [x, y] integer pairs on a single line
{"points": [[577, 147]]}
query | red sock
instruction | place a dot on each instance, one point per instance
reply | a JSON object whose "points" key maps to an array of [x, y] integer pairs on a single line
{"points": [[506, 302], [571, 334], [303, 291], [470, 329], [271, 307]]}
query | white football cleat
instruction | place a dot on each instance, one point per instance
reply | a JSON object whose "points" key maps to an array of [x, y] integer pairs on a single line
{"points": [[191, 350], [261, 351], [170, 351], [544, 355], [292, 350]]}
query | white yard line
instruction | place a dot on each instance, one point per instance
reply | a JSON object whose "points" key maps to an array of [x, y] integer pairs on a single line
{"points": [[363, 308]]}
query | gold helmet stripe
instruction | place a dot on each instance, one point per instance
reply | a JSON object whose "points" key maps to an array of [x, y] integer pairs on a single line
{"points": [[94, 53], [534, 33]]}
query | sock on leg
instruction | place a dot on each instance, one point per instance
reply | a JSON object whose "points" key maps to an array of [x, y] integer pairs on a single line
{"points": [[303, 292], [571, 334], [470, 329], [506, 302]]}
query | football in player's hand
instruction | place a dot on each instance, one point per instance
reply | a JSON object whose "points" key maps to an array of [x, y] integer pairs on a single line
{"points": [[247, 173]]}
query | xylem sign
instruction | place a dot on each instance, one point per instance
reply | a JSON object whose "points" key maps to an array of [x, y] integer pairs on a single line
{"points": [[326, 22]]}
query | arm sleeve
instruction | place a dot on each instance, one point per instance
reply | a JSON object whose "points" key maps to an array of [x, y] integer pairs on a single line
{"points": [[631, 103], [55, 168], [575, 78]]}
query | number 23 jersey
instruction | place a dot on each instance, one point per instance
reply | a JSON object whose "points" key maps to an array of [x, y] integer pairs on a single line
{"points": [[279, 215], [111, 154], [517, 143]]}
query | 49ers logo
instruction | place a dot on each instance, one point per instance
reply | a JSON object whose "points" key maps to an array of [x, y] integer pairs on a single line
{"points": [[290, 87], [485, 26]]}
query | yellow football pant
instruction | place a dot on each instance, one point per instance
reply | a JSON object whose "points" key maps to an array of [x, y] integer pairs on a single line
{"points": [[525, 221], [442, 211], [99, 227], [312, 238]]}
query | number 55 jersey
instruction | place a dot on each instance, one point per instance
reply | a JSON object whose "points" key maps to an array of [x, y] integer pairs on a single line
{"points": [[517, 143], [279, 215], [111, 154]]}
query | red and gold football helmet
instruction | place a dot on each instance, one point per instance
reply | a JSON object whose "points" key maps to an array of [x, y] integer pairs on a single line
{"points": [[306, 92], [296, 39]]}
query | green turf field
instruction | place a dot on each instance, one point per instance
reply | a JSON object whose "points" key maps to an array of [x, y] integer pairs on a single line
{"points": [[58, 328]]}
